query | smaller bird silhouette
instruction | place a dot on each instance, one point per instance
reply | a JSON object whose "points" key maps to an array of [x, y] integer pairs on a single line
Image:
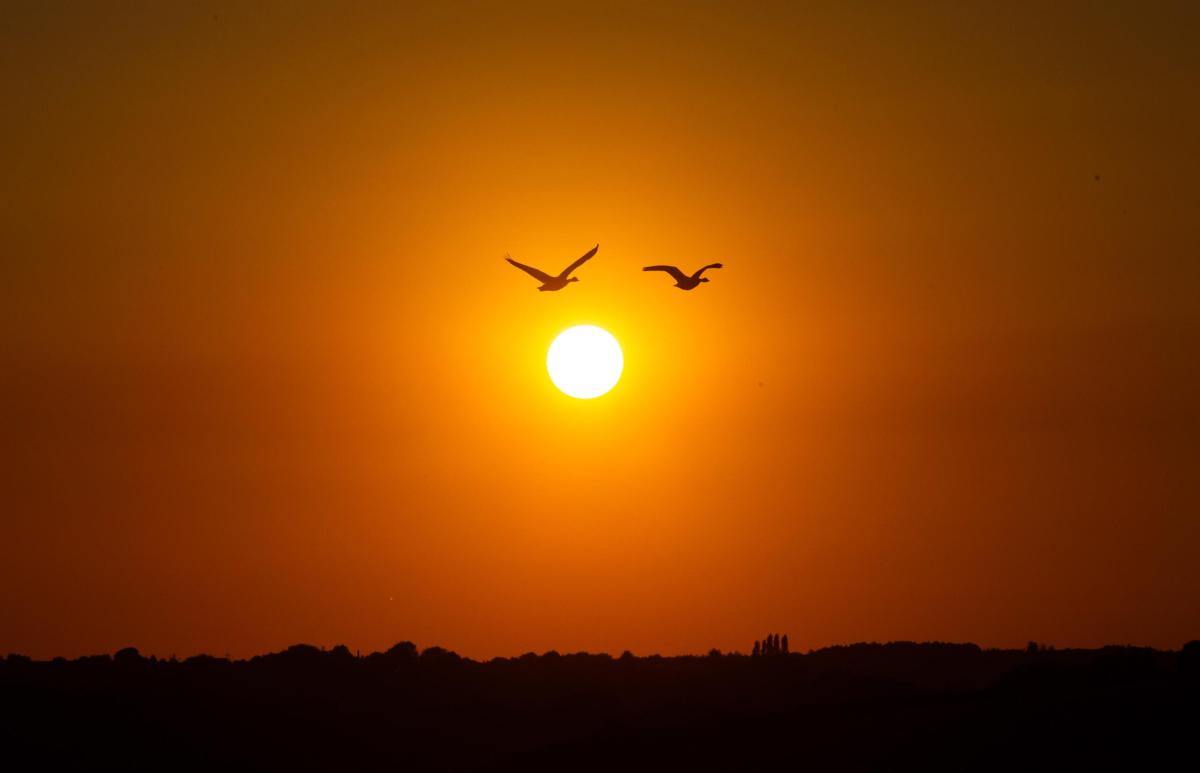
{"points": [[550, 283], [682, 280]]}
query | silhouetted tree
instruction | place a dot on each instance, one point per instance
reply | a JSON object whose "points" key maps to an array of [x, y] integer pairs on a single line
{"points": [[296, 652], [402, 650], [754, 653], [439, 656], [1189, 658], [784, 645]]}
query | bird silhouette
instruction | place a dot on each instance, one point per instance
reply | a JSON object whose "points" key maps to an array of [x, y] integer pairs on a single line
{"points": [[550, 283], [682, 280]]}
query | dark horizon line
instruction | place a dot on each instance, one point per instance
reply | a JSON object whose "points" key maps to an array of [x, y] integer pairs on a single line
{"points": [[406, 648]]}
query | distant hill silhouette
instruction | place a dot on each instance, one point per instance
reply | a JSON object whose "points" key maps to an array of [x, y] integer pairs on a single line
{"points": [[901, 705]]}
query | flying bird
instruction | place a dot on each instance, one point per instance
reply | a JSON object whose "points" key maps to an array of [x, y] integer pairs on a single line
{"points": [[554, 282], [682, 280]]}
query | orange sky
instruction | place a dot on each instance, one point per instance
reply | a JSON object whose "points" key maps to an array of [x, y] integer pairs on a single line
{"points": [[265, 377]]}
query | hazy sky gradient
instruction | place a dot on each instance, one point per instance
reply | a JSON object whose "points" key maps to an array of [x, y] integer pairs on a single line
{"points": [[266, 378]]}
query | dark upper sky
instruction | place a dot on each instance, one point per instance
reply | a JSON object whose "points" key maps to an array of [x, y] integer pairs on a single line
{"points": [[265, 377]]}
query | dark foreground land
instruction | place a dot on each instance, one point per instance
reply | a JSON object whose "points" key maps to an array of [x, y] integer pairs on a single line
{"points": [[863, 707]]}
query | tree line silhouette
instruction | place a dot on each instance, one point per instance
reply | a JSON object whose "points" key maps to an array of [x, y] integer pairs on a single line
{"points": [[902, 705]]}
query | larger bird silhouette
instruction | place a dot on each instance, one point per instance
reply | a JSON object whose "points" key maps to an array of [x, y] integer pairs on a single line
{"points": [[682, 280], [550, 283]]}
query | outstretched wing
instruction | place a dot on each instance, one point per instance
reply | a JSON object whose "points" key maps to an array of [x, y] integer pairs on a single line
{"points": [[679, 275], [588, 256], [537, 274], [706, 268]]}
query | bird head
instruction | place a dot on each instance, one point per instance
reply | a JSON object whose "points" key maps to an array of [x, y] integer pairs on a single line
{"points": [[573, 279], [703, 279]]}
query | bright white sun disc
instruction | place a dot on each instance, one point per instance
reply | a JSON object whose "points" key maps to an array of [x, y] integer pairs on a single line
{"points": [[585, 361]]}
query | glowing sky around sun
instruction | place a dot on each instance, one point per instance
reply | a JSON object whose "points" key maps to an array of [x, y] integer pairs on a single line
{"points": [[267, 378]]}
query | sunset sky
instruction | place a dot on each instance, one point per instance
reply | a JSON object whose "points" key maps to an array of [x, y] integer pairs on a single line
{"points": [[265, 377]]}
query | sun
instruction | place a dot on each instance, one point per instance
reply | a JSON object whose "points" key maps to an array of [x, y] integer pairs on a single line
{"points": [[585, 361]]}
